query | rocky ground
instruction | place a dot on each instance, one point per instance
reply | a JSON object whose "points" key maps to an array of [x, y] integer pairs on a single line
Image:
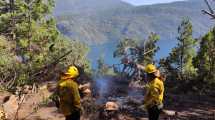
{"points": [[37, 106]]}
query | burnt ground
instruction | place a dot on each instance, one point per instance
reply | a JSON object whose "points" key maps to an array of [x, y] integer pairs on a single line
{"points": [[186, 110], [192, 107], [189, 107]]}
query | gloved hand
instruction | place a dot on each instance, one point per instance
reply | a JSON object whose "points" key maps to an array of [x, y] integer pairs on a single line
{"points": [[57, 104], [54, 97], [160, 106], [142, 107], [81, 110], [143, 101]]}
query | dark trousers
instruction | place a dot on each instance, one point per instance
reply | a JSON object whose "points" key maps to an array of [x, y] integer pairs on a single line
{"points": [[154, 113], [74, 116]]}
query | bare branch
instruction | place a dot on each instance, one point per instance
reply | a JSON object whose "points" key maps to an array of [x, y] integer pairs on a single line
{"points": [[49, 66], [209, 7], [208, 13], [211, 12], [150, 51]]}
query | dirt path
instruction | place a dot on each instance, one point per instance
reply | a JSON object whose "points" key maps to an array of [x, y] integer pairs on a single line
{"points": [[189, 107]]}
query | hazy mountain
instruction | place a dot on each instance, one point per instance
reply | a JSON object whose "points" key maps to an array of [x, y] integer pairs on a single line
{"points": [[87, 7], [107, 21], [102, 20]]}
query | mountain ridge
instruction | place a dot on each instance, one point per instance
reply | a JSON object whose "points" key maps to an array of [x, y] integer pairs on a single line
{"points": [[102, 27], [87, 6], [124, 20]]}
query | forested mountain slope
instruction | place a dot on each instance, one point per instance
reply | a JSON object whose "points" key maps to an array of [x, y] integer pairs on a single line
{"points": [[98, 21]]}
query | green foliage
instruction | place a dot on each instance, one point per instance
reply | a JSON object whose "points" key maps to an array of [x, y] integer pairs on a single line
{"points": [[7, 61], [132, 52], [103, 69], [205, 59], [123, 46], [6, 57], [148, 49], [94, 24], [179, 62], [78, 55], [31, 41], [141, 52]]}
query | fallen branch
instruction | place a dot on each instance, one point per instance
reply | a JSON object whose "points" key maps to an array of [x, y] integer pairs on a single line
{"points": [[169, 112], [19, 107], [12, 82], [49, 66]]}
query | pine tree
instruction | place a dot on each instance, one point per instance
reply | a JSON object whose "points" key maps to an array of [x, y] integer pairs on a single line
{"points": [[205, 60], [180, 59], [29, 26], [102, 67]]}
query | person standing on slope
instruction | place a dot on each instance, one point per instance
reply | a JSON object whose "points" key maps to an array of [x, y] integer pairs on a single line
{"points": [[69, 97], [153, 99]]}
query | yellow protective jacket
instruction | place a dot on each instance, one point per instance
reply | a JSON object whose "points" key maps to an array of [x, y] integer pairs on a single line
{"points": [[154, 93], [70, 100]]}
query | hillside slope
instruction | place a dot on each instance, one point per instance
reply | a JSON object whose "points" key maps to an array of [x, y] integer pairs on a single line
{"points": [[102, 23], [113, 20]]}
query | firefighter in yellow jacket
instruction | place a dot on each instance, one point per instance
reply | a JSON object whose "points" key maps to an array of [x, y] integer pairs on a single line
{"points": [[70, 102], [153, 100]]}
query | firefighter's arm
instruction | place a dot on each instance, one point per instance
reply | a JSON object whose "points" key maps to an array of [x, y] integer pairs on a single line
{"points": [[65, 93], [76, 96], [153, 96], [155, 92]]}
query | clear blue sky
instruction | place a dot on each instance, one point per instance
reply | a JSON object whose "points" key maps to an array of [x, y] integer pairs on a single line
{"points": [[149, 2]]}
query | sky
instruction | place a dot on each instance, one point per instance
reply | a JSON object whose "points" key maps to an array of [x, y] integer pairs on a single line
{"points": [[149, 2]]}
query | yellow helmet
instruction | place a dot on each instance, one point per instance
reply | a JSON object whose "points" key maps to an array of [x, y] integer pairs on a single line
{"points": [[150, 68], [72, 72]]}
